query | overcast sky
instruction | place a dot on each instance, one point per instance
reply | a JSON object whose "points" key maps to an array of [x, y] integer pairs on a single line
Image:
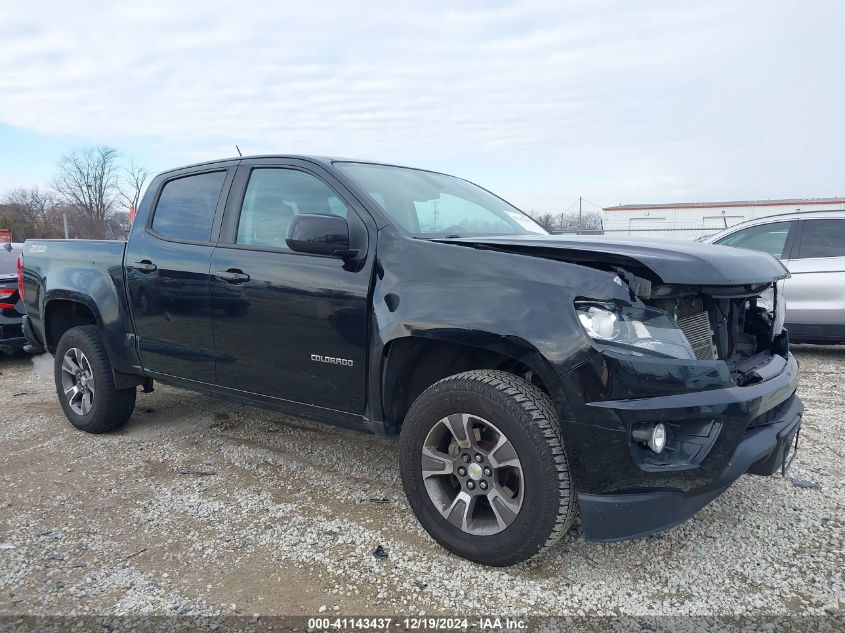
{"points": [[620, 102]]}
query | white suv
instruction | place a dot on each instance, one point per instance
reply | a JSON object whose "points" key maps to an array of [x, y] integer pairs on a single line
{"points": [[812, 246]]}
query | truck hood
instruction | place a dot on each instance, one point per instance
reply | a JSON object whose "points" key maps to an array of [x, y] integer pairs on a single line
{"points": [[669, 262]]}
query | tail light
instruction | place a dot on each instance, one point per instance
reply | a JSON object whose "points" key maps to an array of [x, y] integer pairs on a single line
{"points": [[6, 297], [20, 278]]}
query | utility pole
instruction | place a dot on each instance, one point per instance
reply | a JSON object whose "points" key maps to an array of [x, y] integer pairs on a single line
{"points": [[64, 221], [580, 224]]}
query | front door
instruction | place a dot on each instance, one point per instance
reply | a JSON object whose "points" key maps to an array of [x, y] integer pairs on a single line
{"points": [[288, 325], [167, 264]]}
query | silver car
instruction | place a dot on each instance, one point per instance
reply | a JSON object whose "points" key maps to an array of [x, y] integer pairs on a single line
{"points": [[812, 246]]}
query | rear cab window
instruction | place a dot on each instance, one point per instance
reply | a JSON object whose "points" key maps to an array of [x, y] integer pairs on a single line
{"points": [[822, 238], [186, 206]]}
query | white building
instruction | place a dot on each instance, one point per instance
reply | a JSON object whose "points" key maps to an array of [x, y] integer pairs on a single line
{"points": [[706, 215]]}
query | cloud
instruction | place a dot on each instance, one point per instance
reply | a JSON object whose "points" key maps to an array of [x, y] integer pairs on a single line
{"points": [[617, 101]]}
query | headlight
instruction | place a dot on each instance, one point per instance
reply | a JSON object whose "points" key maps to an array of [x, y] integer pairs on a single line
{"points": [[780, 310], [766, 299], [633, 330], [773, 302]]}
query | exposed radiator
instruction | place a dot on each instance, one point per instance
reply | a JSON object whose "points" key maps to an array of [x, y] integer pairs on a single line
{"points": [[697, 329]]}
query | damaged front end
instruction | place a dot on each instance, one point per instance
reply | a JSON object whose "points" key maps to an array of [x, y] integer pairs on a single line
{"points": [[682, 340], [740, 325], [688, 383], [693, 386]]}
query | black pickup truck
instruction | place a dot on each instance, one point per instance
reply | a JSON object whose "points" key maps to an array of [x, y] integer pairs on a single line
{"points": [[526, 375]]}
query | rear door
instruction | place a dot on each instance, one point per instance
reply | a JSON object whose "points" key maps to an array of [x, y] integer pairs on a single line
{"points": [[289, 325], [815, 293], [167, 272]]}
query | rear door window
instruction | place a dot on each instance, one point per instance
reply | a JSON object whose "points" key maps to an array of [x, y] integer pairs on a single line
{"points": [[185, 209], [822, 238], [767, 238]]}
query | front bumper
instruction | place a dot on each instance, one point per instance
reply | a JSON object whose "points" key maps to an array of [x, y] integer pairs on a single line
{"points": [[720, 432], [614, 517]]}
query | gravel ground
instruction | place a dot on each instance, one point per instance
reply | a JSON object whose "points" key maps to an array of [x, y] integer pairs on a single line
{"points": [[203, 507]]}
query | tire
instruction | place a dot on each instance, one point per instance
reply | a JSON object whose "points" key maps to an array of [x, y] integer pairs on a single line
{"points": [[494, 401], [108, 408]]}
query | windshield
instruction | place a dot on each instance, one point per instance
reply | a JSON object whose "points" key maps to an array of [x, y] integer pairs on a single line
{"points": [[427, 204]]}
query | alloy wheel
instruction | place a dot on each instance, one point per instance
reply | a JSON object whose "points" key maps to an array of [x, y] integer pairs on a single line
{"points": [[472, 474], [78, 381]]}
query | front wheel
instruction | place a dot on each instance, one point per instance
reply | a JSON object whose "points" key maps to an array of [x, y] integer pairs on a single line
{"points": [[484, 468], [85, 384]]}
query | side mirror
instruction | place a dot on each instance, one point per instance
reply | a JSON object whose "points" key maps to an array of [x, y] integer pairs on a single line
{"points": [[319, 235]]}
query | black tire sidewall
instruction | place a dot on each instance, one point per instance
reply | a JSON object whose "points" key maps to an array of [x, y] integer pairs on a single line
{"points": [[101, 415], [536, 519]]}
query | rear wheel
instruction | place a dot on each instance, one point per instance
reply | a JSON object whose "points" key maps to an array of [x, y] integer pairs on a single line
{"points": [[85, 384], [484, 468]]}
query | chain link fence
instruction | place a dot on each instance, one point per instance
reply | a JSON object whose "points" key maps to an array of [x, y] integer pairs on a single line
{"points": [[660, 231]]}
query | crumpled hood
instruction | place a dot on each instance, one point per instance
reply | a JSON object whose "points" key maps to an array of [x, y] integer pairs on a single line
{"points": [[671, 262]]}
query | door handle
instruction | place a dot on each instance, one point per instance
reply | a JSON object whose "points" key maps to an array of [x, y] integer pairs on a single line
{"points": [[145, 266], [232, 276]]}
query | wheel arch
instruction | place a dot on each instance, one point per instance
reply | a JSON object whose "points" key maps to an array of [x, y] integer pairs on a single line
{"points": [[411, 364], [64, 310]]}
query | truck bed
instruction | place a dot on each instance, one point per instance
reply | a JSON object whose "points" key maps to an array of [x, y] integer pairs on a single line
{"points": [[88, 271]]}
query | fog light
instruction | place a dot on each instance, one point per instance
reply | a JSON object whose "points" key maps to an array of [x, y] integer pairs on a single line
{"points": [[657, 440]]}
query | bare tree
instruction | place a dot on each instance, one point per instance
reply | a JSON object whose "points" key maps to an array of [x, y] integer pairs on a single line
{"points": [[548, 221], [79, 225], [118, 225], [132, 185], [26, 211], [30, 205], [568, 222], [587, 221], [88, 180]]}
